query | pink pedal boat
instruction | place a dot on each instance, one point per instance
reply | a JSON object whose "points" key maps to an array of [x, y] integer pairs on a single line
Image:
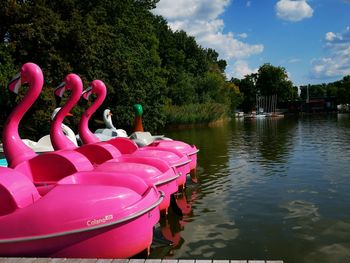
{"points": [[75, 220], [87, 214], [184, 148], [174, 158], [67, 162], [154, 171]]}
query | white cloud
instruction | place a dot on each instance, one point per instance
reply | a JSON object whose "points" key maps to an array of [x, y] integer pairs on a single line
{"points": [[330, 36], [184, 9], [337, 63], [243, 35], [200, 18], [293, 10], [239, 69], [249, 3], [294, 60]]}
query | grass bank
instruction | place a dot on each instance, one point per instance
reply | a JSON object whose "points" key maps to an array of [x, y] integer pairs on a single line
{"points": [[195, 114]]}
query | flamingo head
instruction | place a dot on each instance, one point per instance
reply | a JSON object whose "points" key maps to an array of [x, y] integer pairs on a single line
{"points": [[72, 82], [87, 92], [96, 87], [30, 73]]}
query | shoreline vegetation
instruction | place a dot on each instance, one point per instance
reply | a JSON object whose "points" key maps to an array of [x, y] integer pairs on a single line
{"points": [[195, 114], [217, 123]]}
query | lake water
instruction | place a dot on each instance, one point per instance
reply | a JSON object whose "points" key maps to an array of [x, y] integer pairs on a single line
{"points": [[269, 189]]}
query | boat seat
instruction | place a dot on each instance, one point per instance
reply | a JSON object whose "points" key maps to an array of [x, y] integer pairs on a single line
{"points": [[142, 138], [124, 145], [16, 191], [53, 166], [99, 153]]}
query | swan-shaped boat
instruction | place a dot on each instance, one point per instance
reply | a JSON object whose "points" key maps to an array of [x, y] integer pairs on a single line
{"points": [[126, 146], [139, 136], [44, 143], [49, 208], [142, 138], [153, 171], [110, 131]]}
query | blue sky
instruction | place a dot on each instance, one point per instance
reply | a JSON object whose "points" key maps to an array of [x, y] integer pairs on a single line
{"points": [[309, 38]]}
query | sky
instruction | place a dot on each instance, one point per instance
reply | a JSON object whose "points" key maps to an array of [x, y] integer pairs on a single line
{"points": [[309, 38]]}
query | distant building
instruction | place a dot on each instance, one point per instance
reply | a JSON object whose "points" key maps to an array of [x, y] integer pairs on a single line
{"points": [[320, 105]]}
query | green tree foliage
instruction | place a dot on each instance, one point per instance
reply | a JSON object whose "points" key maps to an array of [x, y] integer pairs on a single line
{"points": [[343, 91], [7, 71], [114, 41], [273, 80], [340, 90], [234, 97], [194, 74], [269, 80], [248, 89]]}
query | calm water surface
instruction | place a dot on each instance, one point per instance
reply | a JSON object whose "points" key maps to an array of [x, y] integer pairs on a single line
{"points": [[269, 189]]}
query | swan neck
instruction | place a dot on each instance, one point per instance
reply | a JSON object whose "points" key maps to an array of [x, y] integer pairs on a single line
{"points": [[108, 122], [138, 124]]}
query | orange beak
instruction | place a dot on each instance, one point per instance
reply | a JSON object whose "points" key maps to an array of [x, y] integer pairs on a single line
{"points": [[69, 114]]}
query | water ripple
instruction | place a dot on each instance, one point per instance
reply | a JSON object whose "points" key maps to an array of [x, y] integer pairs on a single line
{"points": [[272, 189]]}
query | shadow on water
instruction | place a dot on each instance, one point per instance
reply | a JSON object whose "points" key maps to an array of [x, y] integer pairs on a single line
{"points": [[171, 226]]}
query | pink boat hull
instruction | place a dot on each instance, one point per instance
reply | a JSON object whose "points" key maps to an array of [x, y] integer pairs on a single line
{"points": [[174, 158], [165, 182], [184, 148], [109, 242], [153, 171], [76, 221]]}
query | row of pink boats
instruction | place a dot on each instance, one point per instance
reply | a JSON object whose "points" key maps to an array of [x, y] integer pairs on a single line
{"points": [[99, 200]]}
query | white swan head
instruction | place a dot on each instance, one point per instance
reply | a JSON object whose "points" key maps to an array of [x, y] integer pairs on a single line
{"points": [[107, 118], [110, 131]]}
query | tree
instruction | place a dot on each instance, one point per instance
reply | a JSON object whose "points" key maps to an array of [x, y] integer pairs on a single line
{"points": [[248, 88], [234, 97], [136, 54], [343, 92], [273, 80]]}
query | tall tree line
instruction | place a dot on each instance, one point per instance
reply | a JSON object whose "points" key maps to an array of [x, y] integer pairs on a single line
{"points": [[339, 90], [121, 42]]}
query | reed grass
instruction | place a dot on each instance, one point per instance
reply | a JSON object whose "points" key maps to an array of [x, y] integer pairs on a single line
{"points": [[195, 113]]}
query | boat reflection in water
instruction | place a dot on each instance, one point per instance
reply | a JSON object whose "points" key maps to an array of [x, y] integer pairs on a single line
{"points": [[169, 231]]}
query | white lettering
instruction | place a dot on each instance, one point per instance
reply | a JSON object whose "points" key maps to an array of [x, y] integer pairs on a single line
{"points": [[98, 221]]}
